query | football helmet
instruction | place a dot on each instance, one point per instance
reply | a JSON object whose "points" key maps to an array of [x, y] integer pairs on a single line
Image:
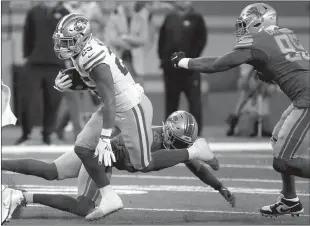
{"points": [[180, 130], [254, 18], [70, 36]]}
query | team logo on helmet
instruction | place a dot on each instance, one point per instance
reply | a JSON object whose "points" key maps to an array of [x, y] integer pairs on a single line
{"points": [[254, 11], [174, 119], [80, 24]]}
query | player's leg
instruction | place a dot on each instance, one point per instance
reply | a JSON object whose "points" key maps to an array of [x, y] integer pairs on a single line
{"points": [[278, 126], [38, 168], [81, 206], [291, 151], [289, 159], [138, 136], [201, 170], [65, 166], [137, 133], [88, 194], [85, 146]]}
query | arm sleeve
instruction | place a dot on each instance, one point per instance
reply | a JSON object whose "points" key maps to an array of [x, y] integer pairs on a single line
{"points": [[223, 63], [28, 35]]}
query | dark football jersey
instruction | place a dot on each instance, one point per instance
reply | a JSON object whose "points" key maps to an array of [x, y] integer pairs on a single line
{"points": [[280, 57]]}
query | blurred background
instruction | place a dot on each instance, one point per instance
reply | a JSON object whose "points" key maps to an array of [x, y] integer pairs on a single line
{"points": [[220, 92]]}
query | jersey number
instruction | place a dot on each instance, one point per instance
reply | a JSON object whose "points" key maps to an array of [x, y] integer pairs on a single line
{"points": [[119, 64], [86, 50], [291, 47]]}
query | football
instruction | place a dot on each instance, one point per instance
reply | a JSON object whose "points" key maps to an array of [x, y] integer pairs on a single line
{"points": [[77, 82]]}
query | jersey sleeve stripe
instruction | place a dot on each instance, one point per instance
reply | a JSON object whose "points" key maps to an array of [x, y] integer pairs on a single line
{"points": [[93, 58], [88, 69]]}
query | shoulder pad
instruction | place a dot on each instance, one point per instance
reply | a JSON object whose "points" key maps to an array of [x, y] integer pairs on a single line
{"points": [[245, 42], [93, 54]]}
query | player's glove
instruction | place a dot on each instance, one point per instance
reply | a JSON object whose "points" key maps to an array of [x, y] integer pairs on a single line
{"points": [[104, 151], [176, 57], [62, 83]]}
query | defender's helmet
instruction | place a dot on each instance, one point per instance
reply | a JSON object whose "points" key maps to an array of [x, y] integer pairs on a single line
{"points": [[180, 130], [254, 18], [71, 35]]}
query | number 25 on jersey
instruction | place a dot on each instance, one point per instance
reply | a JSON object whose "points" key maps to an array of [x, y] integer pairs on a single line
{"points": [[291, 47]]}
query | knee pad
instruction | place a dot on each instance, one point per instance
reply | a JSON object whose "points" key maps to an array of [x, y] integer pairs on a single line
{"points": [[279, 165], [289, 166], [85, 206]]}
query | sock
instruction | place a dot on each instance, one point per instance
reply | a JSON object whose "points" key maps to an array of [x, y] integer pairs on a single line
{"points": [[32, 167], [204, 174], [292, 200], [81, 206], [167, 158], [288, 186], [106, 191], [96, 172]]}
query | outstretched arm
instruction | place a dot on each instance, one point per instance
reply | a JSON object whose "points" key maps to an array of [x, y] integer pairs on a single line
{"points": [[214, 64], [201, 171]]}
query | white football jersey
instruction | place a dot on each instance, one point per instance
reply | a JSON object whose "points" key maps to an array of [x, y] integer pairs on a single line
{"points": [[127, 92]]}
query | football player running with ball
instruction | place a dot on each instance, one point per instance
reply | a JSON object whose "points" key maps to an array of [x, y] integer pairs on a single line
{"points": [[279, 58], [174, 134], [125, 106]]}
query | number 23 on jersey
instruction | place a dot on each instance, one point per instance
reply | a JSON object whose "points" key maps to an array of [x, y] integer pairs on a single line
{"points": [[291, 47]]}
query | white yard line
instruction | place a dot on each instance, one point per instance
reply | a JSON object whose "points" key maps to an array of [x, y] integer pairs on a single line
{"points": [[154, 177], [178, 210], [152, 188]]}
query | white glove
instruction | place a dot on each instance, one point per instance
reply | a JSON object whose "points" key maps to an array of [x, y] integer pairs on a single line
{"points": [[104, 150], [61, 84]]}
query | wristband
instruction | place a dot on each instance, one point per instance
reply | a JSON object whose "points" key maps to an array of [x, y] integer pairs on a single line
{"points": [[184, 63], [106, 133]]}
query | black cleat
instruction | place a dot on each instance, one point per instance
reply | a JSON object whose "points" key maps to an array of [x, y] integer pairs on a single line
{"points": [[228, 196], [282, 207]]}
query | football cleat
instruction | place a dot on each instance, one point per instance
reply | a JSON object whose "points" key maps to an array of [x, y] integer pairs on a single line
{"points": [[228, 196], [11, 200], [282, 207], [108, 205]]}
